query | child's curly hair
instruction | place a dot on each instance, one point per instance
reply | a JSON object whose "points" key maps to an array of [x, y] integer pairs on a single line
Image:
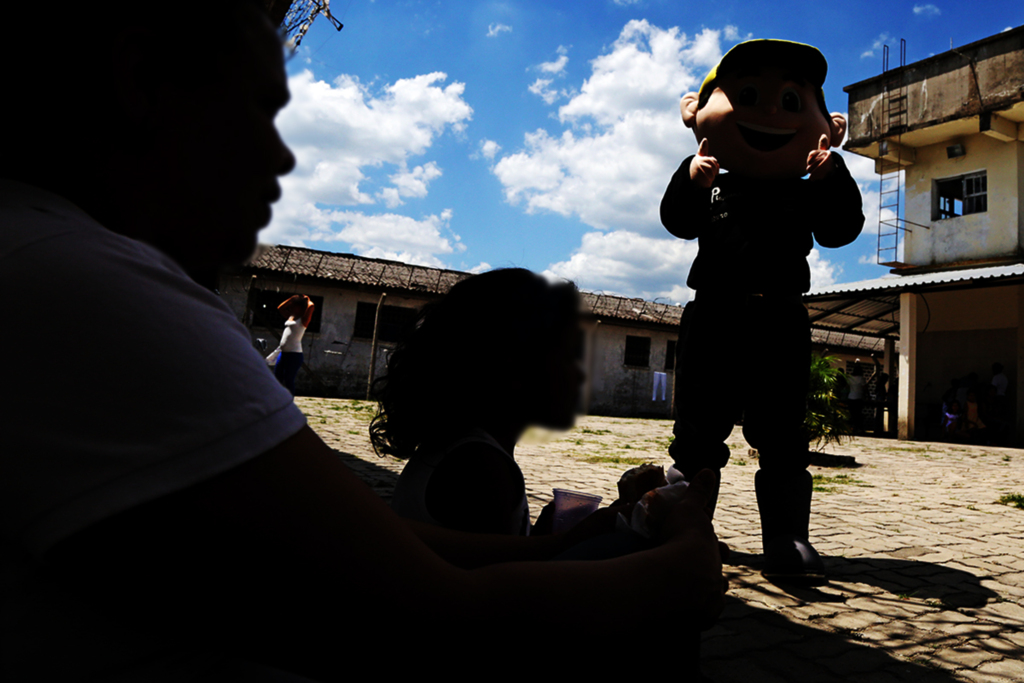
{"points": [[456, 362]]}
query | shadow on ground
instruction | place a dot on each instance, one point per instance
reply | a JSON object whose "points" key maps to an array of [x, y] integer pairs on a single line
{"points": [[752, 644], [945, 586], [377, 477]]}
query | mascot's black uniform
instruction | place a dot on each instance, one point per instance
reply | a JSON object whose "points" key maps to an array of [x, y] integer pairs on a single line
{"points": [[744, 345]]}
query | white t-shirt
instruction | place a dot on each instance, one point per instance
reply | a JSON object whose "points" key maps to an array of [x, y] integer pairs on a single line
{"points": [[136, 383], [1000, 383], [856, 384]]}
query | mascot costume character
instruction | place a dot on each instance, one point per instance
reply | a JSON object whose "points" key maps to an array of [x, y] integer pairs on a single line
{"points": [[762, 188]]}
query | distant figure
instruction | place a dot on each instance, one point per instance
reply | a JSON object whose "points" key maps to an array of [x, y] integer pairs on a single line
{"points": [[999, 380], [858, 392], [967, 384], [881, 401], [287, 357], [459, 433], [972, 422], [951, 420]]}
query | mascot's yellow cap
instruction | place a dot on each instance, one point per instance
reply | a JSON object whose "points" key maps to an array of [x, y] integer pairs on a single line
{"points": [[805, 60]]}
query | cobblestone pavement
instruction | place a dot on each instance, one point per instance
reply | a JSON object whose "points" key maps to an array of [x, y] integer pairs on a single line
{"points": [[927, 569]]}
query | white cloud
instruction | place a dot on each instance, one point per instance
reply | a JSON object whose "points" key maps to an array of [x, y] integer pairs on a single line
{"points": [[410, 183], [389, 235], [542, 88], [551, 70], [495, 29], [481, 267], [489, 148], [625, 3], [622, 138], [823, 271], [343, 130], [928, 10], [626, 263], [875, 46], [557, 66]]}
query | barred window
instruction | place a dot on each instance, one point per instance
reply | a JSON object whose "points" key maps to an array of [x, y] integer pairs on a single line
{"points": [[959, 196], [264, 304], [638, 352], [394, 320]]}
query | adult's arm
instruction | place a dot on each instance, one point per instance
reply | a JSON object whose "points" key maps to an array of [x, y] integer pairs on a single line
{"points": [[684, 210], [307, 315], [835, 205], [277, 558]]}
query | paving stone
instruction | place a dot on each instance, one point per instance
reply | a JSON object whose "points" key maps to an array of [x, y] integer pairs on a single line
{"points": [[1012, 669], [861, 660], [960, 570], [968, 657]]}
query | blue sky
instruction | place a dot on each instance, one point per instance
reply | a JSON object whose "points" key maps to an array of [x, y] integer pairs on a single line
{"points": [[472, 135]]}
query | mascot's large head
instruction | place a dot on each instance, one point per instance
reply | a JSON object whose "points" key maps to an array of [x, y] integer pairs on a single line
{"points": [[762, 109]]}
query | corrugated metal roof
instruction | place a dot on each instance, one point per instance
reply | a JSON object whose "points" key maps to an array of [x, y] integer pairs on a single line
{"points": [[842, 340], [872, 307], [900, 282], [394, 275]]}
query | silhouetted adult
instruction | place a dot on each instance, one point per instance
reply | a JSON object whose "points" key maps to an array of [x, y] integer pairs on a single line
{"points": [[177, 519]]}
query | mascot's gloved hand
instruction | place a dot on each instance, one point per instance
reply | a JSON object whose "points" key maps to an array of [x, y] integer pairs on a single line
{"points": [[819, 162], [704, 167]]}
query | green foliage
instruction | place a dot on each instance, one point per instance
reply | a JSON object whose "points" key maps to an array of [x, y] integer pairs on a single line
{"points": [[1014, 499], [827, 421]]}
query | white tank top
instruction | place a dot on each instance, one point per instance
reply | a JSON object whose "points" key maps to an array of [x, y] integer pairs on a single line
{"points": [[410, 496], [291, 340]]}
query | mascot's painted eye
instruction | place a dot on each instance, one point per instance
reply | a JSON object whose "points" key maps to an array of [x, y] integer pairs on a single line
{"points": [[748, 96], [791, 100]]}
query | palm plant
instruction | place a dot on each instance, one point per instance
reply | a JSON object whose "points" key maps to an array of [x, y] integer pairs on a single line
{"points": [[828, 420]]}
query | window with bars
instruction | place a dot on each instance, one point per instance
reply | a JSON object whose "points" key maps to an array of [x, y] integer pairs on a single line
{"points": [[264, 304], [670, 355], [638, 352], [394, 320], [959, 196]]}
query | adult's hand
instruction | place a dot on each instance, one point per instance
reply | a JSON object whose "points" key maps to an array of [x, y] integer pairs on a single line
{"points": [[686, 525]]}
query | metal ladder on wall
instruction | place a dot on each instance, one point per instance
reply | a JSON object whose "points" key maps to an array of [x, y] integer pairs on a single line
{"points": [[891, 224]]}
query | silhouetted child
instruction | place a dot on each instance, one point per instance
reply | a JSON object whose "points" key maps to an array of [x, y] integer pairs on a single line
{"points": [[500, 352]]}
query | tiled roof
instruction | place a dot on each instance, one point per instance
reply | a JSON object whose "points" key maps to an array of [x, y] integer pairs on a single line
{"points": [[355, 269], [402, 276]]}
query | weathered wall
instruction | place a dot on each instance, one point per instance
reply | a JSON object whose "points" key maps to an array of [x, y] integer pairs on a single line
{"points": [[993, 233], [949, 86], [616, 389], [338, 363]]}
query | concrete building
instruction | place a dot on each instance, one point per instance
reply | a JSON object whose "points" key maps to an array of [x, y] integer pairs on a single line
{"points": [[627, 341], [947, 138]]}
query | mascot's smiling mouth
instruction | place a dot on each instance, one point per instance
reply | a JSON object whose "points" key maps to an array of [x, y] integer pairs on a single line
{"points": [[763, 138]]}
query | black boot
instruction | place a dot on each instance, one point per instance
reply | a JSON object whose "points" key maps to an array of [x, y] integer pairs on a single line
{"points": [[784, 501]]}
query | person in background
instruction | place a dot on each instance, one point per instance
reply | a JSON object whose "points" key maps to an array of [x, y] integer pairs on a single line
{"points": [[287, 357]]}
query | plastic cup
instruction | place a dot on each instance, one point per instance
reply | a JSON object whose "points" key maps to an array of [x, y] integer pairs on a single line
{"points": [[571, 508]]}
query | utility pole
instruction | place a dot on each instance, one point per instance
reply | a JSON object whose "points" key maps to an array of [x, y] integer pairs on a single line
{"points": [[373, 346]]}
